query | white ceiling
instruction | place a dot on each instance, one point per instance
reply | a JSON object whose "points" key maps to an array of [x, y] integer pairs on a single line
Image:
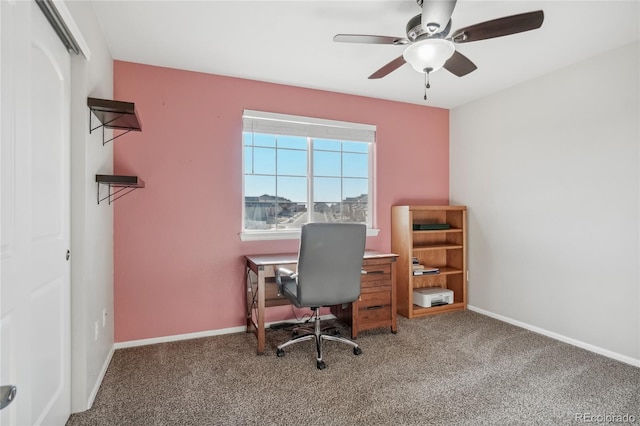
{"points": [[291, 42]]}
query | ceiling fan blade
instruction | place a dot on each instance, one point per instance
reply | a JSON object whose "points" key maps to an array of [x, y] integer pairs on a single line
{"points": [[499, 27], [369, 39], [459, 65], [436, 14], [387, 69]]}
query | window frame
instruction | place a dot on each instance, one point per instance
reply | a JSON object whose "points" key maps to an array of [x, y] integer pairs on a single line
{"points": [[322, 129]]}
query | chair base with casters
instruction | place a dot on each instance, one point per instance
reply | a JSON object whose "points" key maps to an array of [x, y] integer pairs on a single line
{"points": [[318, 336]]}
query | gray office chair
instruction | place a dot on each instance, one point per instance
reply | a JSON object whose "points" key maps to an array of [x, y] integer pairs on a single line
{"points": [[329, 269]]}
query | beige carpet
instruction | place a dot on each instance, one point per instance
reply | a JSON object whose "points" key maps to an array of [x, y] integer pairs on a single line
{"points": [[452, 369]]}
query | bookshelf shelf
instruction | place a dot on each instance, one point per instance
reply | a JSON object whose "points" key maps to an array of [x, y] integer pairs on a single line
{"points": [[419, 311], [431, 231], [437, 247], [444, 270]]}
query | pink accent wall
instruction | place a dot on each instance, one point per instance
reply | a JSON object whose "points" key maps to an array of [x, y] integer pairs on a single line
{"points": [[178, 257]]}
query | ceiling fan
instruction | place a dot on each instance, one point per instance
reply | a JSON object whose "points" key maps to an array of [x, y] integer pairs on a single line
{"points": [[429, 46]]}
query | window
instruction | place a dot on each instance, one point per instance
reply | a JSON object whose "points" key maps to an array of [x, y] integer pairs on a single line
{"points": [[299, 169]]}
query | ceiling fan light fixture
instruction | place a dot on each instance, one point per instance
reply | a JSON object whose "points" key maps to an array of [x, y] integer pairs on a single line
{"points": [[429, 53]]}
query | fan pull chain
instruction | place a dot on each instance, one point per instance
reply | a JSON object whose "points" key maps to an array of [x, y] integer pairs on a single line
{"points": [[427, 85]]}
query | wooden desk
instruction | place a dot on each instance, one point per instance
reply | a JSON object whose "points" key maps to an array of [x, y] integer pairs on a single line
{"points": [[375, 308]]}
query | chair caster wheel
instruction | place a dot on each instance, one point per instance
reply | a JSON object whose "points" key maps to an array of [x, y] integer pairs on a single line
{"points": [[357, 351], [280, 353], [321, 365]]}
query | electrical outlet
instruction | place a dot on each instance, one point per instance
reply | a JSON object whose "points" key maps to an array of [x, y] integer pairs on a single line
{"points": [[104, 317], [95, 331]]}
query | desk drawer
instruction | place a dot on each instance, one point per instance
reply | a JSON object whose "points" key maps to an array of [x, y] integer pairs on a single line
{"points": [[374, 307], [373, 299], [377, 276], [374, 315]]}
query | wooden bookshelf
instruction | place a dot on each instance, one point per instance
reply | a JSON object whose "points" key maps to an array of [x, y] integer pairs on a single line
{"points": [[445, 249]]}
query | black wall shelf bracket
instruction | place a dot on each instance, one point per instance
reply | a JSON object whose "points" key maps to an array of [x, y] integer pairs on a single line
{"points": [[116, 115], [118, 186]]}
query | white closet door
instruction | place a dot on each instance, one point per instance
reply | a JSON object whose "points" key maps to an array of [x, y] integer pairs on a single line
{"points": [[35, 286]]}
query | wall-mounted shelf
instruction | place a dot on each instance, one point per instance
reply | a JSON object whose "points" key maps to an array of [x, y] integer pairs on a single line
{"points": [[116, 115], [118, 186]]}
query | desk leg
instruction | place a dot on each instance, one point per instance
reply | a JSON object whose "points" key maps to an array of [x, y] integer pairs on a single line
{"points": [[355, 323], [394, 301], [249, 300], [261, 308]]}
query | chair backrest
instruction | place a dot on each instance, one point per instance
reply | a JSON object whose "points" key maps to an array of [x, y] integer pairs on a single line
{"points": [[329, 263]]}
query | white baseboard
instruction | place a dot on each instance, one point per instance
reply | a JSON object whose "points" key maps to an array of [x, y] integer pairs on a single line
{"points": [[208, 333], [178, 337], [556, 336], [103, 371]]}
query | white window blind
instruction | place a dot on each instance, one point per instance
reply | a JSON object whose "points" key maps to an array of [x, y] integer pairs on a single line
{"points": [[291, 125]]}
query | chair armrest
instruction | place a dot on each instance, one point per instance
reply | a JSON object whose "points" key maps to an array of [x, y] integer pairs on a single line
{"points": [[288, 274]]}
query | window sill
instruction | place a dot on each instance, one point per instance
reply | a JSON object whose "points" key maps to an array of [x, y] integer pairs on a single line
{"points": [[284, 235]]}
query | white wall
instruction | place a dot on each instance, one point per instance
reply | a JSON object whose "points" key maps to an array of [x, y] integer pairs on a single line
{"points": [[550, 172], [91, 224]]}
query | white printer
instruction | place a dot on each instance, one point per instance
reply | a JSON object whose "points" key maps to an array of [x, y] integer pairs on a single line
{"points": [[432, 296]]}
